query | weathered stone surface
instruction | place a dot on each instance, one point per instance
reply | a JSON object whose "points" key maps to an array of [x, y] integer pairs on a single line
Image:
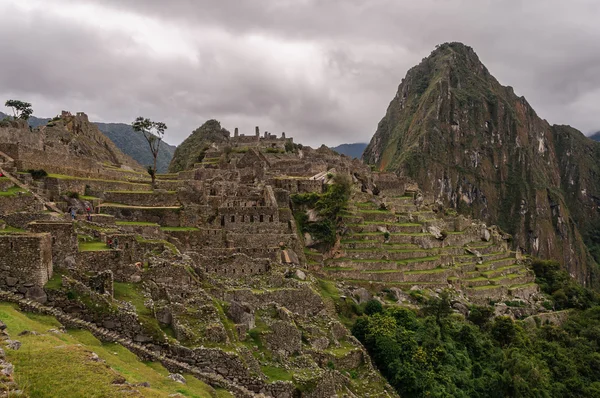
{"points": [[177, 378], [362, 295], [13, 344], [284, 338], [299, 274]]}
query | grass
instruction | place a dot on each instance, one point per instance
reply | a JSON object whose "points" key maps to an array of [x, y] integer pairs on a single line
{"points": [[11, 230], [58, 365], [14, 191], [66, 177], [137, 223], [93, 246], [274, 373], [138, 207], [132, 293]]}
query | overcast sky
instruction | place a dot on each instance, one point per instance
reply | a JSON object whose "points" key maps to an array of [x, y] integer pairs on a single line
{"points": [[323, 71]]}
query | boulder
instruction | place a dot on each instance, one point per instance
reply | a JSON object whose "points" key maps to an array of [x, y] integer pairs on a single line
{"points": [[436, 232], [299, 274], [10, 281], [486, 235], [177, 378], [38, 294], [308, 240], [13, 344], [362, 295], [382, 229], [241, 313]]}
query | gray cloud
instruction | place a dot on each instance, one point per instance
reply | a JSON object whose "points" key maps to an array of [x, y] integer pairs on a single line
{"points": [[321, 70]]}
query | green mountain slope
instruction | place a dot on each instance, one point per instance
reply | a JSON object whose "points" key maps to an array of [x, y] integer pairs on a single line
{"points": [[471, 142], [134, 144], [353, 150], [192, 149]]}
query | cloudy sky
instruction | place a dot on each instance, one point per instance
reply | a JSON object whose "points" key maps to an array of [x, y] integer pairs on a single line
{"points": [[323, 71]]}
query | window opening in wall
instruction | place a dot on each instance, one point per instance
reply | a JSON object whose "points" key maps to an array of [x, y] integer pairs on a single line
{"points": [[251, 218], [243, 218], [232, 218], [261, 218], [222, 221], [271, 218]]}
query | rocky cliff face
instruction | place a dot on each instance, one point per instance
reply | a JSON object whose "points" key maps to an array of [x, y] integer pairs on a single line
{"points": [[192, 149], [473, 143]]}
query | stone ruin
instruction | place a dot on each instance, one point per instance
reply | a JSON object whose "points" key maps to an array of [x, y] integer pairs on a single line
{"points": [[215, 254]]}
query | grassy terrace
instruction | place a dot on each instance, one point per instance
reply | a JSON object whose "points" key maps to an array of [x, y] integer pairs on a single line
{"points": [[59, 364], [11, 230], [137, 223], [487, 287], [14, 191], [93, 246], [137, 207], [427, 271], [67, 177]]}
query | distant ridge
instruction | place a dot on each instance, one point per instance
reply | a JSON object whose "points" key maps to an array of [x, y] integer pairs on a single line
{"points": [[595, 136], [352, 150], [128, 141]]}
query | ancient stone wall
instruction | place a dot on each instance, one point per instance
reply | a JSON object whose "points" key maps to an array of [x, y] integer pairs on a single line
{"points": [[88, 186], [64, 238], [19, 202], [165, 216], [26, 260], [148, 198]]}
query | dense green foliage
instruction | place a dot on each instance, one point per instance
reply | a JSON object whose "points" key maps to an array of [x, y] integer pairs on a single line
{"points": [[329, 206], [565, 292], [21, 110], [438, 353]]}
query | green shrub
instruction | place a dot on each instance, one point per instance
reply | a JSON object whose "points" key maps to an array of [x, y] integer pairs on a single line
{"points": [[373, 307], [73, 195], [37, 173]]}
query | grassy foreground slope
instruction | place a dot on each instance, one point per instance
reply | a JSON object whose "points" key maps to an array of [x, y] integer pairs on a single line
{"points": [[55, 364]]}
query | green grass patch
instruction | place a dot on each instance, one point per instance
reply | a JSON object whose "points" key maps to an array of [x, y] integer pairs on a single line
{"points": [[93, 246], [14, 191], [59, 365], [137, 223], [274, 373]]}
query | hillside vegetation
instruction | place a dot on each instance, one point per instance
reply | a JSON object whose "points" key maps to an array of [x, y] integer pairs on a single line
{"points": [[477, 146]]}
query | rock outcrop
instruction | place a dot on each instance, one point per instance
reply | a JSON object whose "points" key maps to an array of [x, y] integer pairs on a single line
{"points": [[192, 149], [474, 144]]}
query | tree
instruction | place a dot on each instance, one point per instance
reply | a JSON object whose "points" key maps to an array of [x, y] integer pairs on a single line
{"points": [[153, 133], [21, 110]]}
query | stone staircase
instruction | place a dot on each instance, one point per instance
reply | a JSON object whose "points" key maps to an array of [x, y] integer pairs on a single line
{"points": [[8, 165], [212, 379]]}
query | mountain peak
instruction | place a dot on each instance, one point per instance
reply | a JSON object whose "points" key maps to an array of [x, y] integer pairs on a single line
{"points": [[472, 143]]}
